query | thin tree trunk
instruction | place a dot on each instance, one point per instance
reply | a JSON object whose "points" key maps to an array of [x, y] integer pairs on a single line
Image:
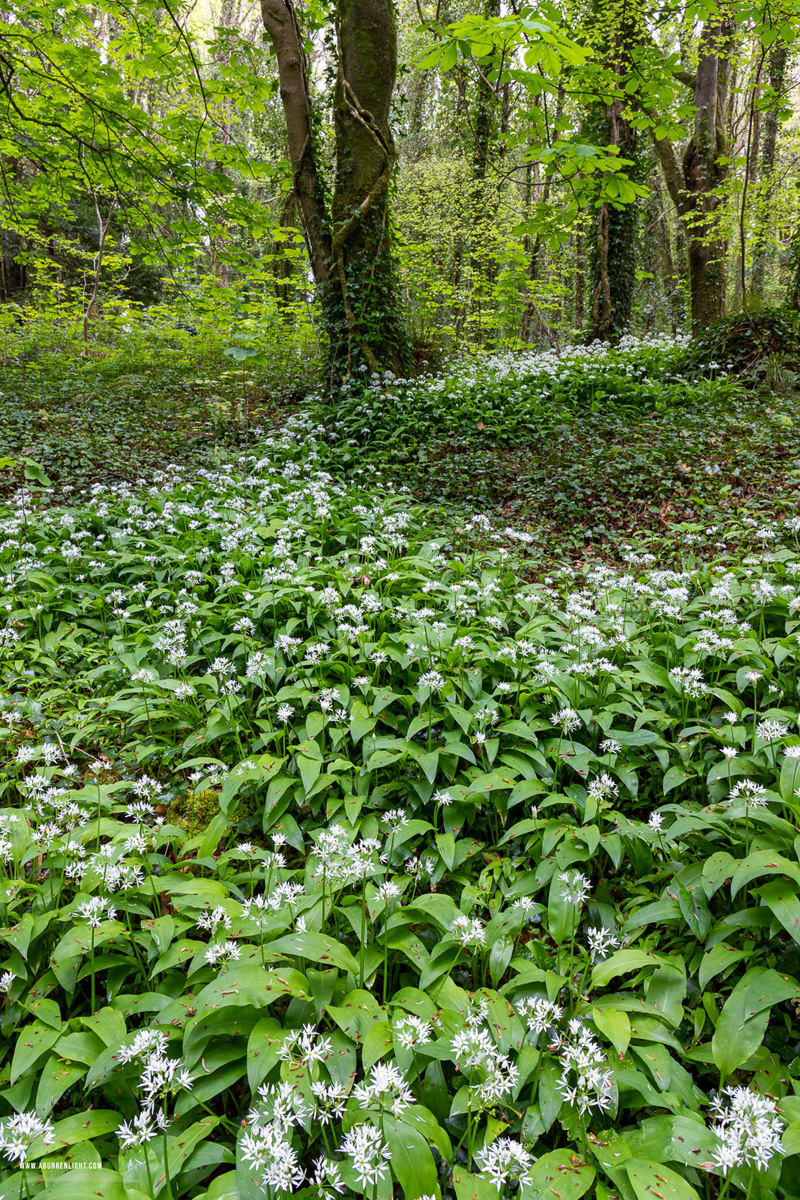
{"points": [[703, 173], [480, 216], [669, 277], [694, 184], [778, 61], [580, 279], [103, 226], [615, 245]]}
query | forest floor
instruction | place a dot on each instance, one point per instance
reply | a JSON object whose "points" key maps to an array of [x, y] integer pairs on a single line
{"points": [[582, 483], [413, 798]]}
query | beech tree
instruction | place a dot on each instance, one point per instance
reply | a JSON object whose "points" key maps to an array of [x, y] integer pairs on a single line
{"points": [[347, 231], [694, 182]]}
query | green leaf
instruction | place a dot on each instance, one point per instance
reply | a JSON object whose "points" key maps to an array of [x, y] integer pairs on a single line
{"points": [[108, 1024], [357, 1014], [81, 1127], [33, 1043], [266, 1039], [382, 758], [317, 947], [309, 763], [790, 780], [429, 764], [446, 845], [247, 984], [563, 917], [763, 862], [673, 1139], [449, 57], [620, 963], [559, 1175], [377, 1043], [472, 1187], [411, 1159], [78, 1183], [182, 1146], [717, 960], [614, 1025], [781, 898], [674, 777], [745, 1015], [650, 1180]]}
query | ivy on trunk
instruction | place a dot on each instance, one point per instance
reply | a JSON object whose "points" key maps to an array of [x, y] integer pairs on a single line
{"points": [[694, 184], [348, 233]]}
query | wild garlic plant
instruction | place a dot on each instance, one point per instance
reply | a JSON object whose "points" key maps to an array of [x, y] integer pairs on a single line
{"points": [[335, 861]]}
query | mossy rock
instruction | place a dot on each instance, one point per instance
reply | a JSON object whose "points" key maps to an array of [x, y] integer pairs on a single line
{"points": [[194, 811]]}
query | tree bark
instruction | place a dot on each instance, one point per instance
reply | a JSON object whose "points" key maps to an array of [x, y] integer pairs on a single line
{"points": [[348, 241], [483, 198], [614, 256], [693, 184], [368, 326], [669, 277], [778, 61], [280, 22], [703, 173], [580, 279], [485, 105]]}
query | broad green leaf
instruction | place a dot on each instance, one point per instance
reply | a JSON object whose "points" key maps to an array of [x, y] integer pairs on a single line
{"points": [[674, 1139], [717, 960], [651, 1180], [763, 862], [782, 899], [472, 1187], [790, 780], [745, 1015], [559, 1175], [263, 1045], [411, 1159], [317, 947], [620, 963], [614, 1025], [81, 1127], [33, 1043], [357, 1014]]}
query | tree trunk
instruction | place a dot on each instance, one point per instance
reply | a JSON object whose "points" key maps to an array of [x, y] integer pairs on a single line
{"points": [[364, 305], [703, 174], [482, 202], [778, 61], [349, 244], [694, 184], [485, 105], [669, 277], [614, 251], [580, 279], [282, 263], [793, 291]]}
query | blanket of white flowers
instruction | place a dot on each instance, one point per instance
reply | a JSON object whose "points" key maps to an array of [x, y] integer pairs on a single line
{"points": [[335, 862]]}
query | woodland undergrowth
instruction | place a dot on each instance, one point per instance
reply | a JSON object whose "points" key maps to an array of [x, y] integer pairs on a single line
{"points": [[355, 845]]}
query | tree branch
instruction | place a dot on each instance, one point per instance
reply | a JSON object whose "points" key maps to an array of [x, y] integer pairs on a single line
{"points": [[665, 152], [281, 24]]}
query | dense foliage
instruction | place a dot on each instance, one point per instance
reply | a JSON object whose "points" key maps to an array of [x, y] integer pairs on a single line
{"points": [[339, 855], [556, 170], [399, 613]]}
